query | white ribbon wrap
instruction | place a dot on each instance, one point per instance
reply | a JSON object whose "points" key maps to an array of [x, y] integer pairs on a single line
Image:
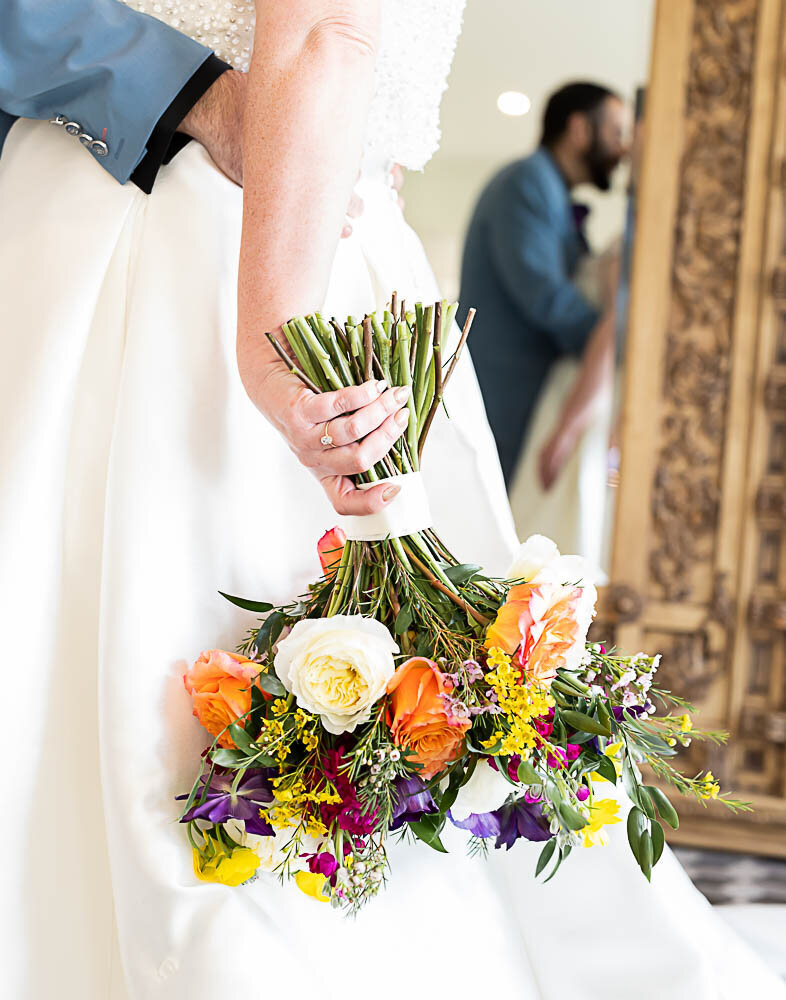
{"points": [[406, 513]]}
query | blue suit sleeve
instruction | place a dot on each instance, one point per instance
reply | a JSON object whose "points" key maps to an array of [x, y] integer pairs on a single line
{"points": [[526, 245], [98, 63]]}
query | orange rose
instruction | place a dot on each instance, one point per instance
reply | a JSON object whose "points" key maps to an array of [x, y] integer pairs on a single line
{"points": [[330, 548], [547, 624], [418, 719], [220, 687]]}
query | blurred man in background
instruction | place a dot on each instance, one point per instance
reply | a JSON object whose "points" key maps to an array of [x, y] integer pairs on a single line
{"points": [[524, 246]]}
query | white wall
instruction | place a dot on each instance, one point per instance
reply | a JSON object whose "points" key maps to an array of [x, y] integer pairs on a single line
{"points": [[531, 46]]}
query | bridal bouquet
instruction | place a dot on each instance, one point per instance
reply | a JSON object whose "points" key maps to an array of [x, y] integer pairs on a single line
{"points": [[407, 690]]}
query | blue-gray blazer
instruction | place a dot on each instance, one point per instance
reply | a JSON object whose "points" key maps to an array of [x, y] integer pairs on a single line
{"points": [[522, 250], [100, 69]]}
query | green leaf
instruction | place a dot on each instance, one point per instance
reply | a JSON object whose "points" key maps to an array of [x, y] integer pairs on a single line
{"points": [[545, 855], [629, 780], [426, 831], [255, 717], [240, 738], [658, 840], [572, 819], [462, 573], [527, 774], [645, 854], [269, 631], [584, 723], [637, 824], [606, 769], [645, 802], [260, 606], [604, 715], [403, 619], [502, 767], [666, 810], [270, 683], [563, 854], [228, 758]]}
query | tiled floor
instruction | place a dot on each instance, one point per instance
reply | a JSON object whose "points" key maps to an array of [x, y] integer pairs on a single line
{"points": [[749, 892]]}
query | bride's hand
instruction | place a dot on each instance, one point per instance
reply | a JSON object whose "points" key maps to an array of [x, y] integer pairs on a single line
{"points": [[363, 422]]}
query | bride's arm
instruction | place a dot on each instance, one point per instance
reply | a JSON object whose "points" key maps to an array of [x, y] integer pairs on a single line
{"points": [[310, 84]]}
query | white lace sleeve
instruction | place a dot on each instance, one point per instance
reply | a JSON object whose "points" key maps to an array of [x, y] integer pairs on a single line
{"points": [[418, 39]]}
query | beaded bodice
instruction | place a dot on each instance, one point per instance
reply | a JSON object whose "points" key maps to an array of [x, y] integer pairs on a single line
{"points": [[418, 38]]}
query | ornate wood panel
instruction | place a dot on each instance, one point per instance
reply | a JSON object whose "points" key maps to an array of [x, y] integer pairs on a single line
{"points": [[699, 561]]}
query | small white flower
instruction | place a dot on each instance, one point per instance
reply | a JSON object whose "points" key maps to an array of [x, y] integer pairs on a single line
{"points": [[485, 791], [337, 667]]}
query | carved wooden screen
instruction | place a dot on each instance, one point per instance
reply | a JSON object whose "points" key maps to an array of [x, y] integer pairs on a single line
{"points": [[699, 562]]}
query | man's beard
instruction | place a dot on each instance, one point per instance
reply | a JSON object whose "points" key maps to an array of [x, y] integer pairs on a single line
{"points": [[600, 165]]}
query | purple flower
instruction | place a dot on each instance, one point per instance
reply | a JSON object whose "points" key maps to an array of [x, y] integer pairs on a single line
{"points": [[323, 864], [521, 819], [221, 804], [582, 793], [479, 824], [413, 799], [631, 710]]}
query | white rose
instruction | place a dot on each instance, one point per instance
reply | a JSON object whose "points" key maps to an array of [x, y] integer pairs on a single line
{"points": [[337, 667], [531, 557], [485, 791], [539, 561]]}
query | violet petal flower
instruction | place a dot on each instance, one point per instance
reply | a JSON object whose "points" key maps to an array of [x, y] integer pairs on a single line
{"points": [[632, 710], [413, 799], [521, 819], [479, 824], [253, 792]]}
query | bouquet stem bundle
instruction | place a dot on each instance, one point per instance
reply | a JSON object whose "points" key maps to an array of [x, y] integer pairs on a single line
{"points": [[415, 576]]}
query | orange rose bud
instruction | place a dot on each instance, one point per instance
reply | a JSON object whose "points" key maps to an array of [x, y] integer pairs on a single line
{"points": [[418, 719], [330, 548], [220, 687]]}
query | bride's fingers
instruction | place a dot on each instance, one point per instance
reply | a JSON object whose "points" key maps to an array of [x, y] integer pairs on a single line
{"points": [[348, 499], [319, 407], [347, 430], [352, 459]]}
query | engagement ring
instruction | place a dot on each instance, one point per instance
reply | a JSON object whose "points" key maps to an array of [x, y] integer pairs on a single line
{"points": [[326, 439]]}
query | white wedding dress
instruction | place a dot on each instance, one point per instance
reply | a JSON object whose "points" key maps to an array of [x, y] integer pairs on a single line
{"points": [[137, 481]]}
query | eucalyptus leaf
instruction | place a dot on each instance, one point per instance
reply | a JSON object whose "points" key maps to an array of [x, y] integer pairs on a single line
{"points": [[637, 824], [527, 774], [666, 810], [262, 607], [584, 723], [572, 819], [270, 683], [462, 573], [606, 769], [240, 738], [228, 758], [403, 619], [545, 855], [658, 840], [269, 631]]}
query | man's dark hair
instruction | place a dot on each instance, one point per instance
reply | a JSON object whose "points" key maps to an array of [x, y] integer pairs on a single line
{"points": [[573, 97]]}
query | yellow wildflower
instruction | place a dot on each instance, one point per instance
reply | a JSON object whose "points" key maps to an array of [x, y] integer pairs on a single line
{"points": [[497, 657], [602, 813], [710, 789], [520, 702], [279, 707], [686, 723]]}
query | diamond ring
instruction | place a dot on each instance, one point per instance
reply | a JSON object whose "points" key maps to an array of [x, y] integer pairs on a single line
{"points": [[326, 439]]}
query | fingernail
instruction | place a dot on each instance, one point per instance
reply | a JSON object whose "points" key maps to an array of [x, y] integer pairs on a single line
{"points": [[391, 492], [402, 418], [401, 395], [381, 385]]}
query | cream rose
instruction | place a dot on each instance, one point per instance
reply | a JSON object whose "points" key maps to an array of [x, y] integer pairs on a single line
{"points": [[337, 667]]}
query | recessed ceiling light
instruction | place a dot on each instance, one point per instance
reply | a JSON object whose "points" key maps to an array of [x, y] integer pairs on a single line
{"points": [[514, 103]]}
